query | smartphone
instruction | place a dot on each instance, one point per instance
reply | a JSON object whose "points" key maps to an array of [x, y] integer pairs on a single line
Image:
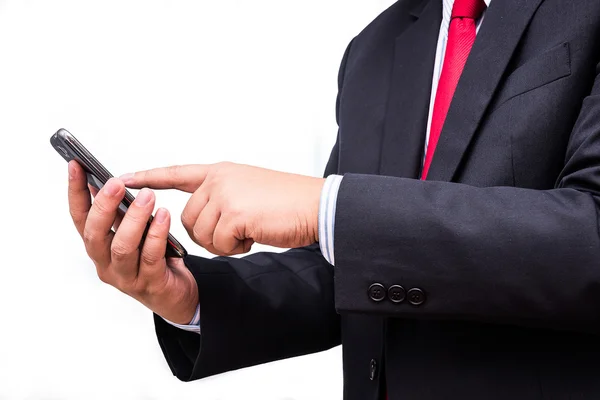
{"points": [[97, 175]]}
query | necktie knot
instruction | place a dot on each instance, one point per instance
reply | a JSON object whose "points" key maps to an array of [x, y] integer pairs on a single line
{"points": [[472, 9]]}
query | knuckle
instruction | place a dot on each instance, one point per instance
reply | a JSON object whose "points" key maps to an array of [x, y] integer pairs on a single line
{"points": [[214, 181], [137, 291], [149, 258], [136, 217], [101, 207], [173, 170], [89, 238], [75, 215], [119, 251], [218, 172], [124, 286], [104, 276], [201, 236], [224, 165], [187, 220], [234, 251], [140, 286], [186, 217], [152, 251], [153, 237], [219, 250], [156, 287], [233, 209], [174, 174], [222, 241]]}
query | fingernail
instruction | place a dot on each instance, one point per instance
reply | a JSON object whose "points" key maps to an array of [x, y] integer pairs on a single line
{"points": [[161, 215], [72, 171], [111, 188], [126, 178], [143, 198]]}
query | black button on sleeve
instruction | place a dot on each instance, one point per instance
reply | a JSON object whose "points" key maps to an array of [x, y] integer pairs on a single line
{"points": [[377, 292], [396, 294], [416, 296], [372, 369]]}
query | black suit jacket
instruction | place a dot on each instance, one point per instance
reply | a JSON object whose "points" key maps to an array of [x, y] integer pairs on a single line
{"points": [[502, 240]]}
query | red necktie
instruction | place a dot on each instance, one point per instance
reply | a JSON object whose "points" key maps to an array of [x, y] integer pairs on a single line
{"points": [[461, 37]]}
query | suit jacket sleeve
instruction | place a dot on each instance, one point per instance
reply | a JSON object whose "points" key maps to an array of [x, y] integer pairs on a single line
{"points": [[499, 254], [260, 308]]}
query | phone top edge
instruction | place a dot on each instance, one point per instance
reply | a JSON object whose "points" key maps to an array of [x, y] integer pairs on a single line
{"points": [[63, 133]]}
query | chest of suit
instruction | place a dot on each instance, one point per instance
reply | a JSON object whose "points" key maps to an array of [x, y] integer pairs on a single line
{"points": [[514, 108]]}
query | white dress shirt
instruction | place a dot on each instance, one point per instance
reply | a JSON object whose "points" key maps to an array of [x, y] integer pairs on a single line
{"points": [[332, 183]]}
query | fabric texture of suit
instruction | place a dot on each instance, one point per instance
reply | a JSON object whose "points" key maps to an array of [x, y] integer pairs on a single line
{"points": [[503, 238]]}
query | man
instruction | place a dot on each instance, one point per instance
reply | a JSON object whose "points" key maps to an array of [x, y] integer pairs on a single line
{"points": [[460, 214]]}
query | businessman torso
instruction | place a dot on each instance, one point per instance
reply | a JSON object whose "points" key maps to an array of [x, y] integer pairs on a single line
{"points": [[514, 111], [497, 253]]}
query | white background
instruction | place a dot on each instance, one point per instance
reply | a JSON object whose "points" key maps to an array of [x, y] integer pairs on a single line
{"points": [[143, 84]]}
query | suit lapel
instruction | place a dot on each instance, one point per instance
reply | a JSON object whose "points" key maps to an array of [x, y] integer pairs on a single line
{"points": [[503, 26], [407, 108]]}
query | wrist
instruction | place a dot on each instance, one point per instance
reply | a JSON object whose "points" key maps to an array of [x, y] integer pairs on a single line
{"points": [[181, 303], [189, 311]]}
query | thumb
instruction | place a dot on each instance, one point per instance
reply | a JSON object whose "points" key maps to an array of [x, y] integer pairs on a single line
{"points": [[186, 178]]}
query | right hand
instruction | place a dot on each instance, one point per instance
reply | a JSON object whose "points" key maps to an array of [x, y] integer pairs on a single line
{"points": [[166, 287]]}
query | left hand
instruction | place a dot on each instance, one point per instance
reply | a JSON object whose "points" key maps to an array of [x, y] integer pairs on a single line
{"points": [[165, 286], [234, 206]]}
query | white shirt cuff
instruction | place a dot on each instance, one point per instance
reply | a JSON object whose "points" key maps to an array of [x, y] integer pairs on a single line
{"points": [[327, 216], [194, 325]]}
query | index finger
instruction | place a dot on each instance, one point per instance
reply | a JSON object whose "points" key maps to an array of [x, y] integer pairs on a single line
{"points": [[186, 178], [79, 196]]}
